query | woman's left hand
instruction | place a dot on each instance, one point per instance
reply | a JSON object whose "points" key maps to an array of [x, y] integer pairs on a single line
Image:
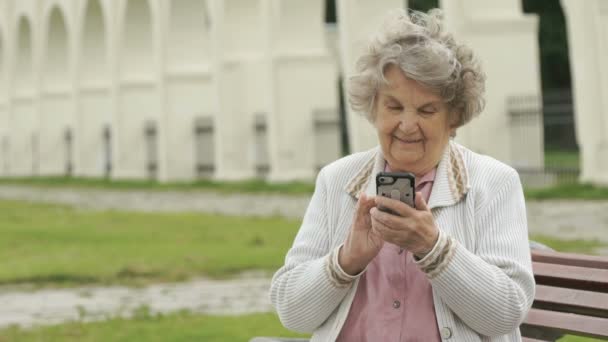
{"points": [[414, 229]]}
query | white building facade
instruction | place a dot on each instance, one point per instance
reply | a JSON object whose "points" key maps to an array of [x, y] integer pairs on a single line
{"points": [[177, 90], [587, 24]]}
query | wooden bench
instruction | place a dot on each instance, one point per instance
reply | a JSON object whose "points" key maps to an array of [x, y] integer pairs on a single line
{"points": [[571, 297]]}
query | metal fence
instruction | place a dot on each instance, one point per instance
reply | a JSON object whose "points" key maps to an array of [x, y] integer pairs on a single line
{"points": [[544, 147]]}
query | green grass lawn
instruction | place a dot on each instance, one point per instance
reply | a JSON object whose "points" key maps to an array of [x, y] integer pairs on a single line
{"points": [[174, 328], [569, 246], [566, 190], [56, 245], [151, 328], [562, 159], [51, 245]]}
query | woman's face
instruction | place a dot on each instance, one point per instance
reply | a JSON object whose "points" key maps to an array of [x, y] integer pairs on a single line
{"points": [[412, 123]]}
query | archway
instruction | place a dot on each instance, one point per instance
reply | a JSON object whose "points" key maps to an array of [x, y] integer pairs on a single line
{"points": [[137, 153], [95, 112], [189, 41], [137, 43], [94, 44], [56, 57], [23, 69]]}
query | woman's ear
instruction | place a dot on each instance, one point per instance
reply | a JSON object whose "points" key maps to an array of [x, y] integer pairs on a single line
{"points": [[453, 132], [454, 119]]}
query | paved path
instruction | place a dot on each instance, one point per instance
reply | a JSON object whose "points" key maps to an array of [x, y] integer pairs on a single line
{"points": [[248, 294], [562, 219], [163, 201]]}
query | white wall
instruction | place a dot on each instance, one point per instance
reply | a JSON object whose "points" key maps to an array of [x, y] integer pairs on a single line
{"points": [[505, 40], [94, 87], [56, 115], [303, 77], [239, 40], [139, 98], [190, 90], [121, 63], [4, 99], [356, 21], [23, 117]]}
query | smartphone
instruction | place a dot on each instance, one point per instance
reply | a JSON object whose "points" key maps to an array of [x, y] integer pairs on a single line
{"points": [[396, 185]]}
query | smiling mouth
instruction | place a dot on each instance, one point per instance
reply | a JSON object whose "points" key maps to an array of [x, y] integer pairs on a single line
{"points": [[409, 141]]}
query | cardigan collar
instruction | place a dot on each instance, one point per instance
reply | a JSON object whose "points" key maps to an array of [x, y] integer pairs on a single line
{"points": [[451, 180]]}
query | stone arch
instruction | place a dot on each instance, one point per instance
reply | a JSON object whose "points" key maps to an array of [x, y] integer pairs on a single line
{"points": [[23, 61], [94, 43], [136, 52], [57, 52], [189, 37]]}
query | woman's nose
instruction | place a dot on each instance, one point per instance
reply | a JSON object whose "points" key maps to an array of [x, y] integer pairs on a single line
{"points": [[407, 120]]}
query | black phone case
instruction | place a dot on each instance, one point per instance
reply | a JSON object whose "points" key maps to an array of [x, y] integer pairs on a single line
{"points": [[397, 185]]}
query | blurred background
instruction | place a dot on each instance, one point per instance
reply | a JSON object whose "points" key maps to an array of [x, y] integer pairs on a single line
{"points": [[156, 156]]}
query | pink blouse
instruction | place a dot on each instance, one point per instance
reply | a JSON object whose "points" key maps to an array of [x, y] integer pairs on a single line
{"points": [[394, 299]]}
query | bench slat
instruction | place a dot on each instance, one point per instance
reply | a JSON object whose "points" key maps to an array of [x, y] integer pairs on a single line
{"points": [[570, 259], [574, 277], [568, 322], [569, 300]]}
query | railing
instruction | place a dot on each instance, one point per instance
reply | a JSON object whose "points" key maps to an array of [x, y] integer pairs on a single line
{"points": [[151, 139], [544, 149], [68, 140], [107, 151], [203, 147]]}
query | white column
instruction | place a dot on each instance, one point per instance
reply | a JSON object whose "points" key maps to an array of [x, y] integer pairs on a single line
{"points": [[4, 86], [587, 23], [304, 88], [25, 90], [57, 92], [139, 101], [160, 44], [238, 37], [506, 42], [188, 82], [357, 20], [94, 88]]}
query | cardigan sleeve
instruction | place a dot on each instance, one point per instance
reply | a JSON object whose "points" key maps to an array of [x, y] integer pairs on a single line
{"points": [[492, 289], [305, 290]]}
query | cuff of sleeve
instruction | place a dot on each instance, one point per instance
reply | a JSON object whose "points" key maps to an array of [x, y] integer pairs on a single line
{"points": [[439, 257], [337, 276], [432, 255]]}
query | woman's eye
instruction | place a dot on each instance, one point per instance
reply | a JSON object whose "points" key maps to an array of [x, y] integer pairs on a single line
{"points": [[428, 111], [394, 107]]}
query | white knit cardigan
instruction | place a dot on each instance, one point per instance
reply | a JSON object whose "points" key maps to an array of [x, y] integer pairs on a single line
{"points": [[482, 292]]}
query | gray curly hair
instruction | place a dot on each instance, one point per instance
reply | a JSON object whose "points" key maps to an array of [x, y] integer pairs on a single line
{"points": [[419, 44]]}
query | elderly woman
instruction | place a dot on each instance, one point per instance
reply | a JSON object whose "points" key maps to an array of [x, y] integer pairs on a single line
{"points": [[457, 266]]}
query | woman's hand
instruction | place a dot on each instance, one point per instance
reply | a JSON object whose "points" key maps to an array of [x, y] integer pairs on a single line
{"points": [[414, 229], [362, 243]]}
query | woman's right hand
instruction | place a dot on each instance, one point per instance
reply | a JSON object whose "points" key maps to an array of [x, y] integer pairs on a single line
{"points": [[362, 243]]}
